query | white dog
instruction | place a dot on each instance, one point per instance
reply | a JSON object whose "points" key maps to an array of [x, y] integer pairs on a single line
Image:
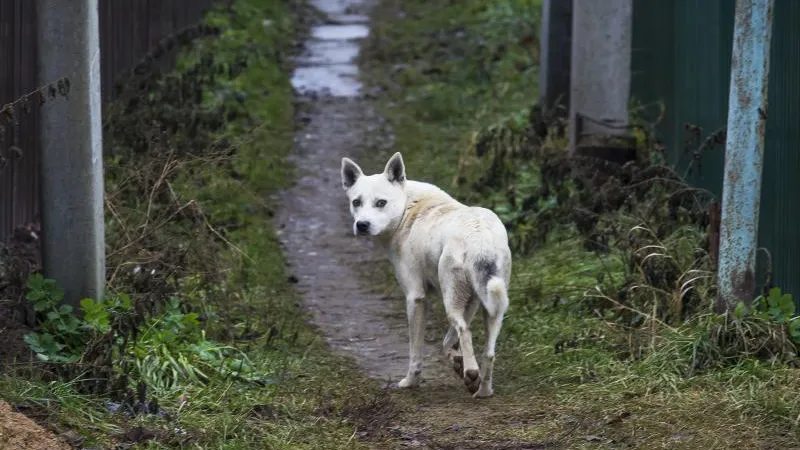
{"points": [[436, 243]]}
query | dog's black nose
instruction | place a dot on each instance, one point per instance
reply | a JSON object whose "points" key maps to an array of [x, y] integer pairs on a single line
{"points": [[362, 226]]}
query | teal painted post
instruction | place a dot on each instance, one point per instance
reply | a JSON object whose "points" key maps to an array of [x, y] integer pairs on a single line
{"points": [[744, 152]]}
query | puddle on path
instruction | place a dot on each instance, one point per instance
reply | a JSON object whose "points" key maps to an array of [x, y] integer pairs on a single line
{"points": [[327, 66], [340, 32], [336, 8], [320, 53]]}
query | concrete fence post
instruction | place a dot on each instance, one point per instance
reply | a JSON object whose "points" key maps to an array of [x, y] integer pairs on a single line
{"points": [[73, 246], [744, 153], [600, 79]]}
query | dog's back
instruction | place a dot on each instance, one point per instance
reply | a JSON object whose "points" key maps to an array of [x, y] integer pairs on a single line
{"points": [[453, 236]]}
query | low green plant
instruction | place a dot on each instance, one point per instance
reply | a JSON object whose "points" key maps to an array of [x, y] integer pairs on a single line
{"points": [[774, 307], [172, 350], [59, 335], [62, 334]]}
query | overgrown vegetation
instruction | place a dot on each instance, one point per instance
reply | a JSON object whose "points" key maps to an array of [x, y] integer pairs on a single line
{"points": [[613, 287], [198, 342], [610, 339]]}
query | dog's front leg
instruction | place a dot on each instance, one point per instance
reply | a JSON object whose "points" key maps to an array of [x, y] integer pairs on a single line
{"points": [[415, 310]]}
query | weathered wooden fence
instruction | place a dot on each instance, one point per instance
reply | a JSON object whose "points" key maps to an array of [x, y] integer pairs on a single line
{"points": [[128, 30]]}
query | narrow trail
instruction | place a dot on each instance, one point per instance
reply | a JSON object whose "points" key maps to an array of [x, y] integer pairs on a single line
{"points": [[342, 279], [337, 273]]}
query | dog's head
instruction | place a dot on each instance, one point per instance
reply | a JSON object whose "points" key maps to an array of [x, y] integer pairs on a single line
{"points": [[377, 202]]}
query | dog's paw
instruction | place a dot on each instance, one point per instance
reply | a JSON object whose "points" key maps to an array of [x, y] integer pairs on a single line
{"points": [[483, 392], [472, 380], [472, 386], [407, 382]]}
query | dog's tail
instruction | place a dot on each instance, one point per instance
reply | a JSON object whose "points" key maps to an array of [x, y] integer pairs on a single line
{"points": [[498, 296], [495, 297]]}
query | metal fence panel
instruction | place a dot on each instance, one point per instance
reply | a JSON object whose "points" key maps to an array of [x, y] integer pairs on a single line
{"points": [[780, 203], [682, 55]]}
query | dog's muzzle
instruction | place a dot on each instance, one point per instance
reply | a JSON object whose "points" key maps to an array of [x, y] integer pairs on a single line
{"points": [[362, 227]]}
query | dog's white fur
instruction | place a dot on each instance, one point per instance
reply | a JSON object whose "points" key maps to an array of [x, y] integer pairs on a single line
{"points": [[436, 243]]}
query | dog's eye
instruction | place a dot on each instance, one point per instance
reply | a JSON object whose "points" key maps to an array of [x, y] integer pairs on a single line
{"points": [[380, 203], [356, 203]]}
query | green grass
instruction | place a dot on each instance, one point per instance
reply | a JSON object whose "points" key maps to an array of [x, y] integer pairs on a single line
{"points": [[457, 67], [452, 72]]}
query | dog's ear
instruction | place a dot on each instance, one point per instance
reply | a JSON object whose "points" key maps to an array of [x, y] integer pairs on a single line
{"points": [[350, 173], [395, 169]]}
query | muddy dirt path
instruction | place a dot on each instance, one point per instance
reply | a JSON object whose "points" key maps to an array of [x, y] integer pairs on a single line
{"points": [[337, 273], [343, 279]]}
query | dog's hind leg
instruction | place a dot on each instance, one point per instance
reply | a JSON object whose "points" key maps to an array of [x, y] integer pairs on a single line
{"points": [[451, 346], [492, 325], [456, 293], [450, 342], [492, 322]]}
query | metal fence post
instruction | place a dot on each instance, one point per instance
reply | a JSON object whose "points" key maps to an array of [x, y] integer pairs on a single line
{"points": [[744, 153], [73, 247]]}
